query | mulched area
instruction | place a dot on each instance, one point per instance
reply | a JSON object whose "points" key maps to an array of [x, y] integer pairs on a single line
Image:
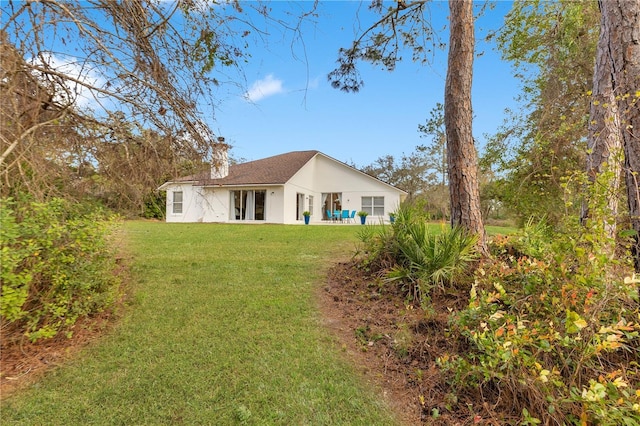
{"points": [[23, 362], [396, 344]]}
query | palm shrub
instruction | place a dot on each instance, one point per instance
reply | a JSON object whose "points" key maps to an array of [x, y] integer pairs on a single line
{"points": [[377, 250], [426, 259], [408, 253]]}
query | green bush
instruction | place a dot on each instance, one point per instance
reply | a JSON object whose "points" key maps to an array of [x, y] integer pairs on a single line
{"points": [[155, 206], [551, 333], [409, 253], [553, 323], [557, 335], [57, 266]]}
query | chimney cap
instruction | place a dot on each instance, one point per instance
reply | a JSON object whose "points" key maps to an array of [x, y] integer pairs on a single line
{"points": [[220, 139]]}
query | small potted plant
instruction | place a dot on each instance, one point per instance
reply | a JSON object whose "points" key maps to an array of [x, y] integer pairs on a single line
{"points": [[363, 216], [307, 215], [392, 217]]}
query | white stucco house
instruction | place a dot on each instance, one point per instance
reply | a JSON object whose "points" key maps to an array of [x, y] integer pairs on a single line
{"points": [[278, 189]]}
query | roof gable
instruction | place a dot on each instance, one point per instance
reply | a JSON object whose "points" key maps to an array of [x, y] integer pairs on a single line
{"points": [[360, 172]]}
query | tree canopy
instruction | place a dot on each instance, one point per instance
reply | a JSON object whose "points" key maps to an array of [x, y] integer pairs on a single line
{"points": [[552, 46], [94, 90]]}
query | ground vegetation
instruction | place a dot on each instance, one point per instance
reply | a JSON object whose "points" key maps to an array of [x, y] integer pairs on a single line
{"points": [[218, 325], [538, 327], [545, 332]]}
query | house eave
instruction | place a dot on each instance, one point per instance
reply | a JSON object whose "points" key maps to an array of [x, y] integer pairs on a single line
{"points": [[238, 185], [165, 185]]}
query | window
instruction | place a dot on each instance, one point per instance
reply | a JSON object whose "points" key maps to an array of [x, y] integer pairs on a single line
{"points": [[248, 205], [311, 204], [177, 202], [373, 205]]}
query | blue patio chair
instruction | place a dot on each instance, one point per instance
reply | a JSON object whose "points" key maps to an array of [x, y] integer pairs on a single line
{"points": [[336, 214], [329, 215], [353, 216], [345, 215]]}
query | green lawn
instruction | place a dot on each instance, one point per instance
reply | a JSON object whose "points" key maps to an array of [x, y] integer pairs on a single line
{"points": [[221, 329]]}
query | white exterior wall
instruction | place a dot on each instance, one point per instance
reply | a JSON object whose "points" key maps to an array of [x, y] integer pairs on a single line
{"points": [[190, 204], [215, 204], [211, 204], [198, 204], [325, 175], [220, 199], [274, 202], [301, 183]]}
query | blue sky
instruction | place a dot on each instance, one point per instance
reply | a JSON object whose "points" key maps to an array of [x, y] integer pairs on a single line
{"points": [[282, 100], [294, 107]]}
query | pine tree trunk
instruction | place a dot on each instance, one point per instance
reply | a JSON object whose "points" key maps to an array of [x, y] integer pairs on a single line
{"points": [[621, 23], [604, 145], [461, 151]]}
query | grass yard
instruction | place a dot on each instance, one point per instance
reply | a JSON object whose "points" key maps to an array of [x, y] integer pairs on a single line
{"points": [[221, 329]]}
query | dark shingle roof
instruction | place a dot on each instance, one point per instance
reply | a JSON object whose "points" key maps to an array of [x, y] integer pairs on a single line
{"points": [[276, 170]]}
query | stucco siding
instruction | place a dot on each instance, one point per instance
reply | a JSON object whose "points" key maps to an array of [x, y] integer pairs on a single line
{"points": [[275, 201], [215, 205], [301, 183], [190, 203], [325, 175]]}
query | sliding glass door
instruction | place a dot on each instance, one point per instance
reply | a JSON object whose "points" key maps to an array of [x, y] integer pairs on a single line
{"points": [[248, 205], [331, 201]]}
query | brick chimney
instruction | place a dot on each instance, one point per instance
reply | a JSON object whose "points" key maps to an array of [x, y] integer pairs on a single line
{"points": [[220, 160]]}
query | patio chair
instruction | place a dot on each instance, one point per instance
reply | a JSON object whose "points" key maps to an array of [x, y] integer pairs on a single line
{"points": [[345, 215], [329, 215], [353, 216]]}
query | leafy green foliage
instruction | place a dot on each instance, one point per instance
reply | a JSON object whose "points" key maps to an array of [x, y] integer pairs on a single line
{"points": [[56, 266], [552, 46], [155, 206], [553, 323]]}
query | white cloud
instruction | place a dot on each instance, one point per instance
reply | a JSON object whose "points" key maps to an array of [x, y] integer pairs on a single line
{"points": [[314, 83], [263, 88]]}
